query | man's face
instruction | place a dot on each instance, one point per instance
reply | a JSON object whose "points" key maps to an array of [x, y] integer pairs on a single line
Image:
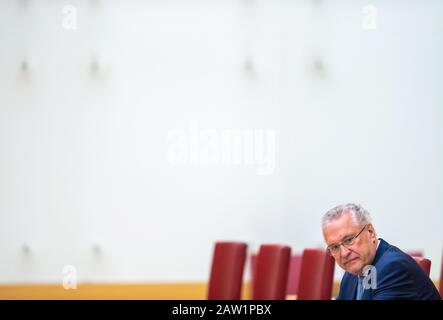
{"points": [[355, 257]]}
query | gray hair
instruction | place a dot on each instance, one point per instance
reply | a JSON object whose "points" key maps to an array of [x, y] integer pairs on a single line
{"points": [[359, 214]]}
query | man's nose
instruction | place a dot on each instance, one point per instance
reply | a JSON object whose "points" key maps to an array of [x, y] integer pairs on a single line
{"points": [[344, 252]]}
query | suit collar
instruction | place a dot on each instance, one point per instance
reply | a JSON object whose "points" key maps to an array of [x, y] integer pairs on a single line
{"points": [[382, 248], [351, 289]]}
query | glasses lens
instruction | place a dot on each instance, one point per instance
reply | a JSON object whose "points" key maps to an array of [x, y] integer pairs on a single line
{"points": [[348, 241], [333, 249]]}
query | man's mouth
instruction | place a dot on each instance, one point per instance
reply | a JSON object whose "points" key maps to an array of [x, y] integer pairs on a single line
{"points": [[350, 261]]}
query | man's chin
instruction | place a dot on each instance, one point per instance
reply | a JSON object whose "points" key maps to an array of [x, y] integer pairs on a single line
{"points": [[354, 268]]}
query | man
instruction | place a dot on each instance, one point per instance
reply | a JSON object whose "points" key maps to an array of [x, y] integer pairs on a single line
{"points": [[375, 270]]}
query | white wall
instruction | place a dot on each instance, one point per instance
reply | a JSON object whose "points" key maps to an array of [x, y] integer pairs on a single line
{"points": [[84, 128]]}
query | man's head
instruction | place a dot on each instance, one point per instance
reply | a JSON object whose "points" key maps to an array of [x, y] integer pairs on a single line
{"points": [[350, 237]]}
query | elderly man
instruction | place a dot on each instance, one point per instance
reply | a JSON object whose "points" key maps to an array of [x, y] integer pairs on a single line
{"points": [[374, 268]]}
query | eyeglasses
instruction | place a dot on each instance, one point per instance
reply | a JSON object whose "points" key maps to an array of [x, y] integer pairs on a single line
{"points": [[349, 241]]}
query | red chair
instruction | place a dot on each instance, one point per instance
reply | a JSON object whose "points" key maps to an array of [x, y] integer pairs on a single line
{"points": [[316, 275], [293, 276], [424, 263], [225, 282], [271, 276], [415, 253]]}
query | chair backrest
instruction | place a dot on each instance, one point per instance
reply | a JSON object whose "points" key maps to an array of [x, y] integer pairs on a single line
{"points": [[293, 276], [316, 275], [415, 253], [424, 263], [225, 281], [271, 276]]}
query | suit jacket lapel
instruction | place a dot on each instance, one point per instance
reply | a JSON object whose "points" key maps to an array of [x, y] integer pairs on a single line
{"points": [[353, 287], [382, 247]]}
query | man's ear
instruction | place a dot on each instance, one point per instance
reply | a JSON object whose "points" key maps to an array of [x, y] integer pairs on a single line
{"points": [[372, 233]]}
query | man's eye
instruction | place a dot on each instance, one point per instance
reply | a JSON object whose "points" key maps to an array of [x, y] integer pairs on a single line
{"points": [[334, 248], [348, 241]]}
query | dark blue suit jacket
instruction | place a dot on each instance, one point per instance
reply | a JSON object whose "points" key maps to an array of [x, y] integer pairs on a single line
{"points": [[398, 277]]}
